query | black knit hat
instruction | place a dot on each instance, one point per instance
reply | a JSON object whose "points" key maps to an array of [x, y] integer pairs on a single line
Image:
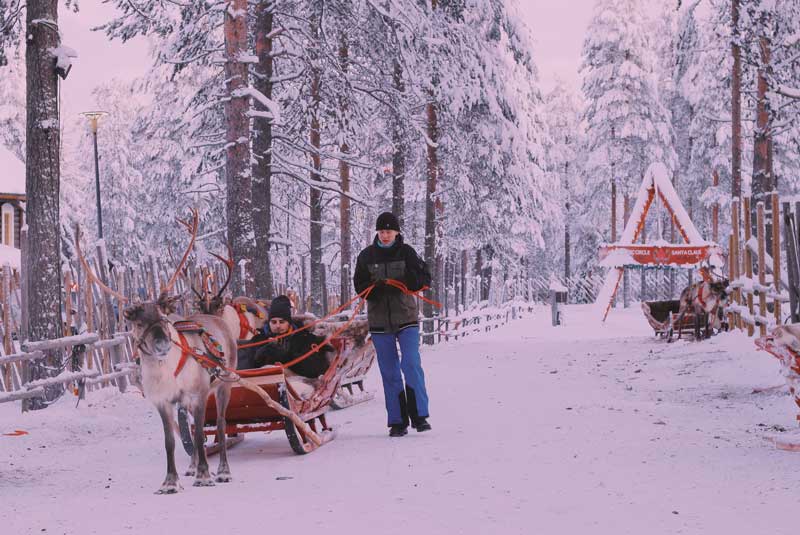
{"points": [[281, 307], [387, 221]]}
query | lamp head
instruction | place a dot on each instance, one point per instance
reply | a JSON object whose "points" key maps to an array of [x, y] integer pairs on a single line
{"points": [[93, 117]]}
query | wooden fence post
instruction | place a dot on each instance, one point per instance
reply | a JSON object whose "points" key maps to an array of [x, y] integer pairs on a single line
{"points": [[792, 266], [732, 321], [735, 260], [748, 262], [776, 255], [762, 268]]}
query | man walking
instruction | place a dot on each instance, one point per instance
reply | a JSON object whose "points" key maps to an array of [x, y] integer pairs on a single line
{"points": [[394, 319]]}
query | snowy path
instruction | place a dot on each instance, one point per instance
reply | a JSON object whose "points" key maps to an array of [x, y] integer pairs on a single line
{"points": [[534, 432]]}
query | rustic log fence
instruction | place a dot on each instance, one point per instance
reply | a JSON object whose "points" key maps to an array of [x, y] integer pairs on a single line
{"points": [[472, 322], [755, 267]]}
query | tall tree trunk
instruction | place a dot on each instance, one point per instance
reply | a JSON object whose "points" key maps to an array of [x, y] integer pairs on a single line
{"points": [[626, 277], [42, 182], [762, 171], [566, 225], [399, 154], [487, 272], [736, 105], [262, 150], [344, 177], [762, 176], [613, 206], [464, 274], [430, 197], [431, 187], [315, 238], [239, 202]]}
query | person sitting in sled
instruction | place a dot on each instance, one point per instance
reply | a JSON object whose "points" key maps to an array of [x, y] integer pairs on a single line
{"points": [[287, 348], [393, 319]]}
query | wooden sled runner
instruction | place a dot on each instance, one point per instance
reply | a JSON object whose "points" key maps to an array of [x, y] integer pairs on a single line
{"points": [[310, 400]]}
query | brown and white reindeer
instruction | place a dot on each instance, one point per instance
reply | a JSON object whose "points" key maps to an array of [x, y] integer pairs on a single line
{"points": [[704, 298], [170, 379]]}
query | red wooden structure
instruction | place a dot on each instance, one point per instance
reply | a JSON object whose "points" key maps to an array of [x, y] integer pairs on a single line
{"points": [[627, 253]]}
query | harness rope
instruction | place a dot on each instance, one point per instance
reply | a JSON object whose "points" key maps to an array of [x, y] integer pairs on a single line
{"points": [[208, 363]]}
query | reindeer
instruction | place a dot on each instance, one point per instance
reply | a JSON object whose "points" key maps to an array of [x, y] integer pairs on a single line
{"points": [[166, 383], [705, 298]]}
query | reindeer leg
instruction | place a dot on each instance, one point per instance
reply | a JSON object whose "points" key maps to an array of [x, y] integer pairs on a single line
{"points": [[203, 477], [192, 470], [223, 470], [678, 321], [170, 485]]}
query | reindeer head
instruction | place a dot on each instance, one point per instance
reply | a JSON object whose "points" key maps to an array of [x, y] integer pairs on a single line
{"points": [[148, 319], [151, 325], [720, 289]]}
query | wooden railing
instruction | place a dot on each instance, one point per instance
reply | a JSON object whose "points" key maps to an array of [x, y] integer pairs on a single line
{"points": [[84, 362], [443, 329]]}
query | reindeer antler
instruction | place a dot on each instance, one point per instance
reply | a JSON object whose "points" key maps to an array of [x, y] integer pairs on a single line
{"points": [[192, 228], [229, 264], [89, 273]]}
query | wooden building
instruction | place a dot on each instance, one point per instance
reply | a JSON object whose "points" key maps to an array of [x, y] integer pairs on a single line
{"points": [[12, 198]]}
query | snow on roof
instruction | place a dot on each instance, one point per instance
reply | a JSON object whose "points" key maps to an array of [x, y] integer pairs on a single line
{"points": [[12, 173], [9, 255], [657, 176]]}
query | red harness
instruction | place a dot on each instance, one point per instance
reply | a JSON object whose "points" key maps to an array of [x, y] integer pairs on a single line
{"points": [[244, 326], [213, 359], [700, 296]]}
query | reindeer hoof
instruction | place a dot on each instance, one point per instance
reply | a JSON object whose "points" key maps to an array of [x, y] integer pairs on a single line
{"points": [[204, 482], [169, 489], [190, 472], [224, 478]]}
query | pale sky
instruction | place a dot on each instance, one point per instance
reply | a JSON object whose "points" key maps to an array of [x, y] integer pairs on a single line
{"points": [[557, 26]]}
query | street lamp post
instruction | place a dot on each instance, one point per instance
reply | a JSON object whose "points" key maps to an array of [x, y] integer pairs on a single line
{"points": [[94, 117]]}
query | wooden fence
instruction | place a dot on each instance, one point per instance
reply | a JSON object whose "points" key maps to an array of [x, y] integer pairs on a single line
{"points": [[444, 329], [755, 267]]}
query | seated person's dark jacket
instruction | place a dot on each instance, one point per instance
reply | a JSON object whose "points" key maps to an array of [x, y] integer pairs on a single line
{"points": [[389, 310], [285, 350]]}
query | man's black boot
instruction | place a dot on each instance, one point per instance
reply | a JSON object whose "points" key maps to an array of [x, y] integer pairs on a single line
{"points": [[420, 424], [398, 430]]}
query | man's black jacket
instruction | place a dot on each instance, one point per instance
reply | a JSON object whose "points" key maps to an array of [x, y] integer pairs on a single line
{"points": [[389, 309]]}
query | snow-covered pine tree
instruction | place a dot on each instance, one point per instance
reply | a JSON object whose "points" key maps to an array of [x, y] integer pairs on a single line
{"points": [[12, 100], [627, 127], [772, 49], [703, 80], [562, 114]]}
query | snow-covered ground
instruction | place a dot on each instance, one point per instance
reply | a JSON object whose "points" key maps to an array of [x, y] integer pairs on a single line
{"points": [[536, 430]]}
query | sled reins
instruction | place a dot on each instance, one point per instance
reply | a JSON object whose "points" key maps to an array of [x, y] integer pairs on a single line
{"points": [[210, 364]]}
